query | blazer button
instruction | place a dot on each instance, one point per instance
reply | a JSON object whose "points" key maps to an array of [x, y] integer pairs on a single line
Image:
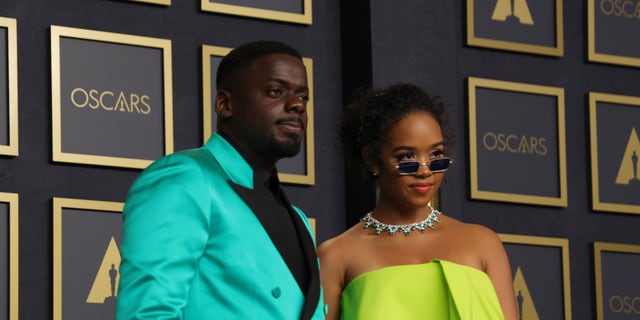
{"points": [[276, 292]]}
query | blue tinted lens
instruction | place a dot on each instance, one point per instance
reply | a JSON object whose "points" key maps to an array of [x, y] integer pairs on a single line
{"points": [[409, 167], [436, 165], [440, 164]]}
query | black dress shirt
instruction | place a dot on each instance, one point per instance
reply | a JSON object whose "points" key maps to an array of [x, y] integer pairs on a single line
{"points": [[280, 222]]}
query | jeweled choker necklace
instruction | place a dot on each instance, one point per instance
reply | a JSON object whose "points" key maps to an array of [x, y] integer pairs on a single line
{"points": [[370, 221]]}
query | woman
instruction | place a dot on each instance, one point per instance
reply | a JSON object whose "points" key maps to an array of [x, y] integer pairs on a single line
{"points": [[406, 260]]}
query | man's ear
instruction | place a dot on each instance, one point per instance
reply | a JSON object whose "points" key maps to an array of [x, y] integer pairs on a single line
{"points": [[222, 104]]}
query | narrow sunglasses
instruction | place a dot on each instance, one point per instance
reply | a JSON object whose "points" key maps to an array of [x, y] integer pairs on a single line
{"points": [[435, 165]]}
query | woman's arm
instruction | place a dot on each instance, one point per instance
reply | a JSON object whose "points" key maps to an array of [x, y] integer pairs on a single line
{"points": [[332, 271], [499, 270]]}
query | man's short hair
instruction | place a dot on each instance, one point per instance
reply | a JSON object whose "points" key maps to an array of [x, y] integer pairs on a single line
{"points": [[242, 56]]}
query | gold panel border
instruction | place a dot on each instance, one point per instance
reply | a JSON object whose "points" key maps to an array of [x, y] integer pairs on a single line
{"points": [[561, 243], [12, 68], [14, 255], [207, 79], [164, 44], [58, 205], [602, 57], [594, 98], [312, 223], [598, 247], [160, 2], [557, 51], [558, 92], [304, 18], [207, 125]]}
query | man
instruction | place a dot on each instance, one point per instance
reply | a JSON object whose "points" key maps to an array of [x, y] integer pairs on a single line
{"points": [[208, 233]]}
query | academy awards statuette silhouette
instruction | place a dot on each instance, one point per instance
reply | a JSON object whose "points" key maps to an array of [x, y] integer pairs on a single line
{"points": [[634, 162], [512, 12], [113, 276], [520, 299], [628, 173]]}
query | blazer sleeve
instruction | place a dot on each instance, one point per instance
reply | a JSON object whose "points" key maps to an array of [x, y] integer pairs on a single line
{"points": [[165, 231]]}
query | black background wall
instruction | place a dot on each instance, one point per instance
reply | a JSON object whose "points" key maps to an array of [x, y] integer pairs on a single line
{"points": [[37, 179], [352, 43], [424, 41]]}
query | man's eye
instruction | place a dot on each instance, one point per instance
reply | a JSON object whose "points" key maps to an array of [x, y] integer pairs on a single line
{"points": [[304, 98], [274, 92]]}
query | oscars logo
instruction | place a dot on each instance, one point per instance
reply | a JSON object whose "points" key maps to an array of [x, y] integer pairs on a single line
{"points": [[105, 285], [110, 101], [624, 304], [629, 9], [514, 11], [629, 173], [513, 143], [526, 308]]}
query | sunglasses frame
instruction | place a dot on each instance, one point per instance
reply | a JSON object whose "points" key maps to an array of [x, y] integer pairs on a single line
{"points": [[420, 164]]}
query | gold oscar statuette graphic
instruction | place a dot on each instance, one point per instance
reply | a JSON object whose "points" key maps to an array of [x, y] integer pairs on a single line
{"points": [[105, 285], [512, 10], [526, 308], [629, 173]]}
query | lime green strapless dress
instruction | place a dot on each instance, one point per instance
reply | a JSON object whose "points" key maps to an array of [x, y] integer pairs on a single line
{"points": [[435, 290]]}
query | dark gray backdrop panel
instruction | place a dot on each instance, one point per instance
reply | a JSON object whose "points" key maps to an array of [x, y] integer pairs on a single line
{"points": [[541, 268], [86, 235], [292, 6], [620, 283], [4, 87], [4, 260], [615, 123], [123, 70], [530, 170]]}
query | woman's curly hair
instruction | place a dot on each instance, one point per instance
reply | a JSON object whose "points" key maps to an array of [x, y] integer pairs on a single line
{"points": [[367, 120]]}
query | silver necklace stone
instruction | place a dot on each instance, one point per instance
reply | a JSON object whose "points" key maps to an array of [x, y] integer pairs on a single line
{"points": [[370, 221]]}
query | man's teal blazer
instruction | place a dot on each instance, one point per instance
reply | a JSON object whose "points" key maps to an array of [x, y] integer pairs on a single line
{"points": [[194, 247]]}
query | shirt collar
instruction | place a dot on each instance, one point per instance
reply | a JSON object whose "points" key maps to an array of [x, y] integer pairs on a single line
{"points": [[261, 176]]}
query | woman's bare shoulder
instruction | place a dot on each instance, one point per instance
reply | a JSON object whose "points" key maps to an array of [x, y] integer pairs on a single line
{"points": [[338, 245], [459, 226], [472, 232], [471, 243]]}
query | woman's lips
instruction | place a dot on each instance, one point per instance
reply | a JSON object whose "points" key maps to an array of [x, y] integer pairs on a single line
{"points": [[422, 188]]}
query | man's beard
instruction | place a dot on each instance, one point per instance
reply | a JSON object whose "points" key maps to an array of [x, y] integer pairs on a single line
{"points": [[286, 148]]}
